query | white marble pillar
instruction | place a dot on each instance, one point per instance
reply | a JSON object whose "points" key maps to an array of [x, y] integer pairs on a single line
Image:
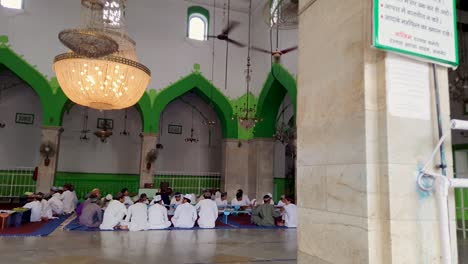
{"points": [[357, 161], [46, 174], [148, 142], [235, 163], [261, 167]]}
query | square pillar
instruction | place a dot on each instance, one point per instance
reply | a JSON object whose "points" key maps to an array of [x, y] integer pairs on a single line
{"points": [[148, 142], [357, 158], [46, 174], [261, 167], [235, 165]]}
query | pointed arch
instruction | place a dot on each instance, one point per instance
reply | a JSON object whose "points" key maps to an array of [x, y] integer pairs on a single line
{"points": [[52, 101], [279, 83], [153, 108]]}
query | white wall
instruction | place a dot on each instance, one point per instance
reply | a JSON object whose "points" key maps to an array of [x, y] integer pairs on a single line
{"points": [[180, 156], [158, 27], [19, 143], [120, 154]]}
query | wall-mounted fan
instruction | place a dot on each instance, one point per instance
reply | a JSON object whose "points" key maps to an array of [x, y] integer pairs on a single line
{"points": [[151, 157], [47, 150]]}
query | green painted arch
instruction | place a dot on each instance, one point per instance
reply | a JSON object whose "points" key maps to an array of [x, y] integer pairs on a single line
{"points": [[279, 83], [52, 100], [152, 104]]}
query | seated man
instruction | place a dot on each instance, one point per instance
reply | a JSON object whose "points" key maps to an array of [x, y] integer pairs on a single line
{"points": [[114, 213], [55, 203], [91, 215], [96, 192], [290, 213], [238, 201], [185, 214], [36, 208], [46, 211], [245, 198], [68, 199], [157, 215], [137, 216], [175, 201], [222, 200], [282, 201], [127, 200], [208, 211], [265, 214]]}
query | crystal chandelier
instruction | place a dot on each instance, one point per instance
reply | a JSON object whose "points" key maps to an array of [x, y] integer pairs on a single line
{"points": [[246, 115], [94, 72], [458, 86]]}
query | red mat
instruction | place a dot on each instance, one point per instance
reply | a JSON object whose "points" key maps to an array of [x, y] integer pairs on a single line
{"points": [[23, 229]]}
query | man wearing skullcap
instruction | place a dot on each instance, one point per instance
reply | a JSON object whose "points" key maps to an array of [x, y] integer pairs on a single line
{"points": [[185, 214], [208, 211], [114, 213], [91, 215], [265, 214], [157, 214]]}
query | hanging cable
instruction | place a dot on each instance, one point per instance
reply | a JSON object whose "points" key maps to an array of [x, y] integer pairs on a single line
{"points": [[227, 46]]}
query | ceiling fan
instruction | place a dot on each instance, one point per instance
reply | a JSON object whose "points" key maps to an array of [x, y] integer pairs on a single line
{"points": [[276, 53], [225, 34]]}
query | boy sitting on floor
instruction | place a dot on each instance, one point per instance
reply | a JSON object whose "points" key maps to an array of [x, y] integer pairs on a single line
{"points": [[114, 213]]}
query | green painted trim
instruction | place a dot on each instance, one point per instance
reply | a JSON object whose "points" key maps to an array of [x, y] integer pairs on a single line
{"points": [[52, 98], [198, 10], [377, 45], [278, 83], [460, 147], [153, 104], [280, 186]]}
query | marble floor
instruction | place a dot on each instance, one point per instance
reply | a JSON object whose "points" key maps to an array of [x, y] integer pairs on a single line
{"points": [[181, 246]]}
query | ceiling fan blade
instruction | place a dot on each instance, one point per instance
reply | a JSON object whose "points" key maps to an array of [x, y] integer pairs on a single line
{"points": [[289, 50], [230, 27], [235, 42], [211, 36], [261, 50]]}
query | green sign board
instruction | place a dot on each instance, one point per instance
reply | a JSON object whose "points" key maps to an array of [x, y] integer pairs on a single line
{"points": [[422, 29]]}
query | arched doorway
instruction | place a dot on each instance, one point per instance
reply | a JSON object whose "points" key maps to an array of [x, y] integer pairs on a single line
{"points": [[88, 161], [191, 136]]}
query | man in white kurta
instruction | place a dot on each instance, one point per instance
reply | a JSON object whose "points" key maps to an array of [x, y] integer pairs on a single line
{"points": [[56, 204], [281, 202], [239, 201], [114, 213], [207, 212], [221, 201], [68, 200], [175, 201], [290, 213], [36, 209], [157, 215], [46, 211], [137, 215], [127, 200], [185, 214]]}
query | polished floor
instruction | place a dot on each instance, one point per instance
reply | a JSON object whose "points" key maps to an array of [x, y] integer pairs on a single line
{"points": [[181, 246]]}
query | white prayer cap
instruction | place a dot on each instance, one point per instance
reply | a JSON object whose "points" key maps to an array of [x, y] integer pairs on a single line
{"points": [[188, 196], [269, 194], [109, 197], [157, 198]]}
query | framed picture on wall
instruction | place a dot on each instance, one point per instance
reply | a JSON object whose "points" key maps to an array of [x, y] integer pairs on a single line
{"points": [[174, 129], [22, 118], [105, 123]]}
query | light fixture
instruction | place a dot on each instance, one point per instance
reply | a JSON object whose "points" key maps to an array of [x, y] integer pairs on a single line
{"points": [[94, 73], [125, 132], [191, 139], [246, 114], [84, 131], [104, 133]]}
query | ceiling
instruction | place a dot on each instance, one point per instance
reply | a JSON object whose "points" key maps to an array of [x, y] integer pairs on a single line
{"points": [[236, 5]]}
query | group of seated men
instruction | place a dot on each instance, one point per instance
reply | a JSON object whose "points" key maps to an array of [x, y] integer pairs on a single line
{"points": [[59, 201], [120, 212]]}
